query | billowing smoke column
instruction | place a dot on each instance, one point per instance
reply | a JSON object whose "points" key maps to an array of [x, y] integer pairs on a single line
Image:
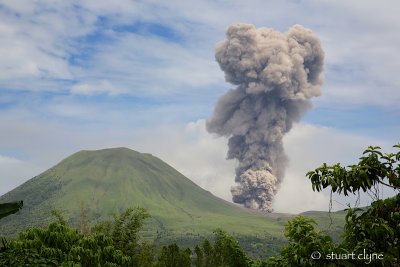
{"points": [[276, 74]]}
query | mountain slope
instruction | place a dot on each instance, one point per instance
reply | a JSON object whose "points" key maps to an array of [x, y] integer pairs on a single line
{"points": [[113, 179], [106, 181]]}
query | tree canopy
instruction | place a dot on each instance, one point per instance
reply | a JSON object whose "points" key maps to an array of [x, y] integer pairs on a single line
{"points": [[370, 236]]}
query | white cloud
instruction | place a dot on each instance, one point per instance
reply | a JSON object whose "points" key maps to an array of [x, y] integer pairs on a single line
{"points": [[153, 66], [95, 87], [308, 147], [13, 172]]}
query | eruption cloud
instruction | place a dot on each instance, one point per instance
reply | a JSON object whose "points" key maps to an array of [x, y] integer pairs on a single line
{"points": [[276, 74]]}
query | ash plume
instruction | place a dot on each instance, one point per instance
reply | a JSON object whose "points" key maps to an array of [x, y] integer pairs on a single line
{"points": [[276, 74]]}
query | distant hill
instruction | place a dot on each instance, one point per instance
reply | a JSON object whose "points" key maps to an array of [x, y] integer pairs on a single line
{"points": [[106, 181]]}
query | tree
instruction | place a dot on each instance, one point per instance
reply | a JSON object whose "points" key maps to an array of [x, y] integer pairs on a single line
{"points": [[124, 232], [304, 240], [172, 256], [209, 254], [199, 261], [376, 229], [228, 251], [225, 252], [113, 243], [373, 231], [83, 219], [60, 245], [373, 169]]}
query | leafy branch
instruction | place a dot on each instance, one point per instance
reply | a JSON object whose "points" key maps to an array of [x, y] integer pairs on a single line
{"points": [[373, 168]]}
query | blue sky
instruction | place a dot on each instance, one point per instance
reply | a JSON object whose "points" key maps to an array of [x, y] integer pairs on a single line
{"points": [[87, 75]]}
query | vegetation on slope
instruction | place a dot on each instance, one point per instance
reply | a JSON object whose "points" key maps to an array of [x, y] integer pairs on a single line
{"points": [[116, 243], [373, 232], [96, 184], [115, 179]]}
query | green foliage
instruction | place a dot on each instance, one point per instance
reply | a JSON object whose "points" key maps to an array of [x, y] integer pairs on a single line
{"points": [[114, 243], [303, 241], [372, 169], [124, 232], [7, 209], [59, 217], [59, 245], [227, 251], [126, 228], [209, 254], [112, 180], [199, 261], [172, 256], [374, 230], [83, 219], [117, 243], [108, 180]]}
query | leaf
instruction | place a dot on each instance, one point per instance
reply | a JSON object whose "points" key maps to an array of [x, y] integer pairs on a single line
{"points": [[7, 209]]}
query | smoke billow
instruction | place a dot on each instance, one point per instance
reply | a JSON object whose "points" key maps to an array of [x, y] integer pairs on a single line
{"points": [[276, 74]]}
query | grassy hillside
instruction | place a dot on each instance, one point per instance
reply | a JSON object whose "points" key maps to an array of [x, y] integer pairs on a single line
{"points": [[107, 181]]}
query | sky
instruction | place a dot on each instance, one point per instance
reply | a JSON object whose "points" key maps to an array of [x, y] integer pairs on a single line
{"points": [[84, 75]]}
